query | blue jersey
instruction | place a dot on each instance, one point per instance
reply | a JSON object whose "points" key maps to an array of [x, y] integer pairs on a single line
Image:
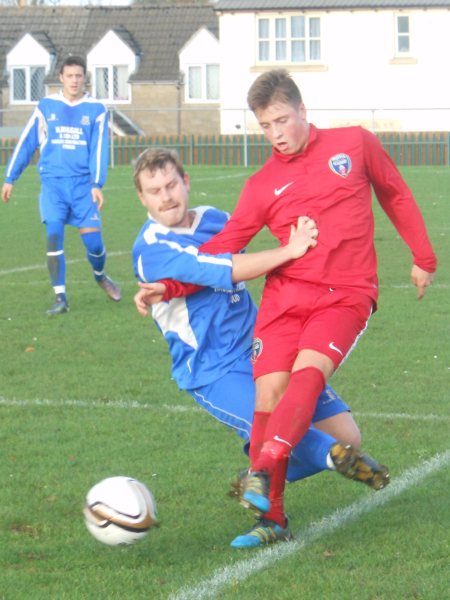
{"points": [[72, 139], [207, 332]]}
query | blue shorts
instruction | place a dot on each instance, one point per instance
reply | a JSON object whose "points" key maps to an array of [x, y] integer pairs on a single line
{"points": [[231, 399], [69, 200]]}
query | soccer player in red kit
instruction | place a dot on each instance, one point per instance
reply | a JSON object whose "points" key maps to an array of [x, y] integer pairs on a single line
{"points": [[312, 310]]}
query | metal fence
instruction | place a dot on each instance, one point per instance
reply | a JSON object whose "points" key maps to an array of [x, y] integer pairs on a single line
{"points": [[406, 149], [238, 150]]}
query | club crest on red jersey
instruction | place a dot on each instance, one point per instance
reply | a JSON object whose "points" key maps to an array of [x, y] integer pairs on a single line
{"points": [[257, 348], [341, 164]]}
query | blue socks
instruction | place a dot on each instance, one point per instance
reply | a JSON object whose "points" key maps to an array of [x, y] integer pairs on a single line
{"points": [[56, 262], [95, 252], [310, 455]]}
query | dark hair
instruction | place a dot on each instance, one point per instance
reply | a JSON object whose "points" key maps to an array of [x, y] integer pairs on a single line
{"points": [[73, 61], [273, 86], [153, 159]]}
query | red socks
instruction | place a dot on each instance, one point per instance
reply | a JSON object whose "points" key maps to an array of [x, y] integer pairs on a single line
{"points": [[273, 435], [290, 420], [276, 494], [260, 420]]}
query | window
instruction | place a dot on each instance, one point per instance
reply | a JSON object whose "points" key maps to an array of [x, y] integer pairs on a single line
{"points": [[403, 46], [294, 39], [202, 83], [111, 83], [27, 84]]}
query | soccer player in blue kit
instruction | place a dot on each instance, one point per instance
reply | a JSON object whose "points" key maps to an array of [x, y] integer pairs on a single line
{"points": [[70, 129], [209, 333]]}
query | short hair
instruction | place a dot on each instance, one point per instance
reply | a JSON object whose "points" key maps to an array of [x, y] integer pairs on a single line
{"points": [[273, 86], [153, 159], [73, 61]]}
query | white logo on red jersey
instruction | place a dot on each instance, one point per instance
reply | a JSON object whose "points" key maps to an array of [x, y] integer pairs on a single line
{"points": [[279, 191]]}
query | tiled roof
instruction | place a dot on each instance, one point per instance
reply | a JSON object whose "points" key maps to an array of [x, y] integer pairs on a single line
{"points": [[238, 5], [42, 38], [155, 33]]}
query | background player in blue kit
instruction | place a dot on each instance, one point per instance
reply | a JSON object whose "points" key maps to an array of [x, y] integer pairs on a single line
{"points": [[209, 333], [71, 131]]}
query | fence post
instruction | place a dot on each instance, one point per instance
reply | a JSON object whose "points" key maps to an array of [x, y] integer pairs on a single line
{"points": [[245, 139], [448, 148], [111, 139]]}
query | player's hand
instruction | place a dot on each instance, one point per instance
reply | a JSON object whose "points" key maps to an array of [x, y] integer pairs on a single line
{"points": [[150, 293], [303, 236], [6, 191], [421, 279], [97, 197]]}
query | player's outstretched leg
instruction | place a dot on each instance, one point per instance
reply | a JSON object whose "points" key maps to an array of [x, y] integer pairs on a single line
{"points": [[353, 464], [262, 533]]}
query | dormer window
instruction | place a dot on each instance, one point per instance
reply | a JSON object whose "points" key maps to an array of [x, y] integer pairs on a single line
{"points": [[110, 83], [111, 62]]}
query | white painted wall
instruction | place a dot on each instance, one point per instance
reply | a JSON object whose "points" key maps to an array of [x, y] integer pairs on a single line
{"points": [[361, 73], [202, 47], [28, 53], [111, 50]]}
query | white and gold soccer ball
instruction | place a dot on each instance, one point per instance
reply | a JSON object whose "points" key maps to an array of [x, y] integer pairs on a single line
{"points": [[119, 511]]}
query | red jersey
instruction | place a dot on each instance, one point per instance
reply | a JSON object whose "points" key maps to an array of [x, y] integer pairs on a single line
{"points": [[330, 181]]}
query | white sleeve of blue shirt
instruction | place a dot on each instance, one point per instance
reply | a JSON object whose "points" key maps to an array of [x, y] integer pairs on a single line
{"points": [[159, 257], [33, 136], [99, 151]]}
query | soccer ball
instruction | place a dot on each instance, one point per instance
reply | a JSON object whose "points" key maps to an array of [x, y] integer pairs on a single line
{"points": [[119, 511]]}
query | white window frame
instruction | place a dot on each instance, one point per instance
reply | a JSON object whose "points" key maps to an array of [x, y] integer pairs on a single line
{"points": [[280, 49], [28, 74], [109, 98], [202, 97], [400, 35]]}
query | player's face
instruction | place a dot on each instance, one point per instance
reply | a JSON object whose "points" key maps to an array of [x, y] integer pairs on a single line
{"points": [[285, 126], [164, 194], [73, 79]]}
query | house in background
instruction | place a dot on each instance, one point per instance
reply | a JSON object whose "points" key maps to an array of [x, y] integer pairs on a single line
{"points": [[132, 57], [186, 68], [380, 64]]}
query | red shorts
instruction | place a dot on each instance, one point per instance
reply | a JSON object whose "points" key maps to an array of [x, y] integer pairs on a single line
{"points": [[295, 315]]}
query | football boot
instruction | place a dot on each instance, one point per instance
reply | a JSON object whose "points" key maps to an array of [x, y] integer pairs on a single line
{"points": [[353, 464]]}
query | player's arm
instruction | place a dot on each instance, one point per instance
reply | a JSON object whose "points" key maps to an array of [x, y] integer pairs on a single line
{"points": [[33, 134], [421, 279], [6, 191], [99, 156], [148, 294], [398, 202], [97, 196], [246, 221], [244, 266], [250, 266]]}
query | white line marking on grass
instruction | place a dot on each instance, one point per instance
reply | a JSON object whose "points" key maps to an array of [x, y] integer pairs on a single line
{"points": [[402, 416], [228, 576], [133, 404], [44, 265], [127, 404]]}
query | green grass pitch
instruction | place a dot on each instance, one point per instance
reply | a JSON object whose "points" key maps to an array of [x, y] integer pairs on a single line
{"points": [[88, 395]]}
